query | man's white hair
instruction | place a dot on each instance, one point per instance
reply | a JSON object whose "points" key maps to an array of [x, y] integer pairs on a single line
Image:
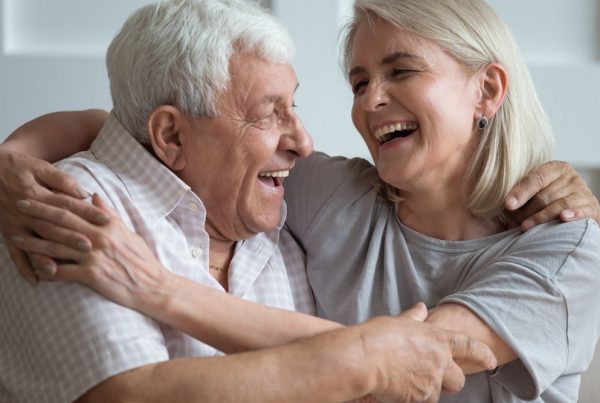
{"points": [[177, 52]]}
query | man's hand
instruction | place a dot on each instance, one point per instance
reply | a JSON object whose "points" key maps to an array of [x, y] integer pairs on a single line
{"points": [[23, 177], [551, 191], [414, 361]]}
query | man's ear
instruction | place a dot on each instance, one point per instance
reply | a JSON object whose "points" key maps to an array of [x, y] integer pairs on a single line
{"points": [[164, 130], [493, 86]]}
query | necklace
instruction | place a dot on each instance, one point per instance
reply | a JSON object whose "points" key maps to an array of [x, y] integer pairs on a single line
{"points": [[217, 268]]}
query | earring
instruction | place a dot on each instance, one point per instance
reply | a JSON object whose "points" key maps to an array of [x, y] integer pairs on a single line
{"points": [[482, 122]]}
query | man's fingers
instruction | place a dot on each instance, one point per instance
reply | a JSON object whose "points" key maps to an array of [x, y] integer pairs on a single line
{"points": [[417, 312], [535, 181], [467, 348], [454, 378]]}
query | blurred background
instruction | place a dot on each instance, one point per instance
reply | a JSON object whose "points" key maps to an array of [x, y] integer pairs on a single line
{"points": [[52, 58]]}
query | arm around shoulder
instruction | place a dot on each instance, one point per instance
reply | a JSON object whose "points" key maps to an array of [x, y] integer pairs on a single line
{"points": [[56, 135]]}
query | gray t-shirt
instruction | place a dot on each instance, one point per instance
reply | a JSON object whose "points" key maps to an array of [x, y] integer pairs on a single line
{"points": [[539, 290]]}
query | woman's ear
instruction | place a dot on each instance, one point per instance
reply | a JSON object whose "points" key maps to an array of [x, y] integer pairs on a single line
{"points": [[164, 130], [493, 86]]}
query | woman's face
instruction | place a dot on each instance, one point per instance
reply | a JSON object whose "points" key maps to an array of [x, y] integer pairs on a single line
{"points": [[415, 107]]}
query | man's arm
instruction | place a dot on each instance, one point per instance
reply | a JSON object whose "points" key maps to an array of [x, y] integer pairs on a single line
{"points": [[393, 359]]}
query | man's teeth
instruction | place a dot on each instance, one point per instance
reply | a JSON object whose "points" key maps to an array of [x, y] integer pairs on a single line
{"points": [[276, 174], [382, 131]]}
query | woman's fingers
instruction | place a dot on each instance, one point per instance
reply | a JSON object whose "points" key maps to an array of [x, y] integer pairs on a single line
{"points": [[81, 208], [21, 262], [42, 264], [99, 202], [55, 215], [51, 249], [65, 236], [59, 181]]}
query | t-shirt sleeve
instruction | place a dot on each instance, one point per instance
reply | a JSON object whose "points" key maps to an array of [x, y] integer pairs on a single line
{"points": [[541, 297], [59, 339], [316, 179]]}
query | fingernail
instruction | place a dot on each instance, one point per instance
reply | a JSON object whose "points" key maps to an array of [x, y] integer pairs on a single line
{"points": [[82, 192], [47, 270], [23, 204], [512, 202], [101, 219], [17, 239], [568, 214], [84, 246]]}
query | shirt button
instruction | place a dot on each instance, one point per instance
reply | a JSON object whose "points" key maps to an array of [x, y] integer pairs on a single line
{"points": [[196, 252], [193, 206]]}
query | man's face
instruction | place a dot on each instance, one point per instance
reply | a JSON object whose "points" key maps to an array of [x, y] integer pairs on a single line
{"points": [[236, 161]]}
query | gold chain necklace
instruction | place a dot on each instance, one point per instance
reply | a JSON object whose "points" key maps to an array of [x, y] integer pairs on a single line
{"points": [[217, 268]]}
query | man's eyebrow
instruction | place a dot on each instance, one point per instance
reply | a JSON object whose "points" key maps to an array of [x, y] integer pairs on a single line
{"points": [[386, 60], [272, 98]]}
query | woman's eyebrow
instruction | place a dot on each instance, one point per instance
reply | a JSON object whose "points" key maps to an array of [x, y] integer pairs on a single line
{"points": [[386, 60]]}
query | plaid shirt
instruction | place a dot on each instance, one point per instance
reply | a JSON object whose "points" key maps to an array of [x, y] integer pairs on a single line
{"points": [[57, 340]]}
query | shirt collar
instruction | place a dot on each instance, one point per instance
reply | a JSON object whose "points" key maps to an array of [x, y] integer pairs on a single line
{"points": [[150, 184]]}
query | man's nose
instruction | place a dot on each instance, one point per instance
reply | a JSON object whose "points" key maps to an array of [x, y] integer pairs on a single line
{"points": [[296, 139]]}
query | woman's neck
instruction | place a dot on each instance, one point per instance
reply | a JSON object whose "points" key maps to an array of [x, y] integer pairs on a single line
{"points": [[443, 215]]}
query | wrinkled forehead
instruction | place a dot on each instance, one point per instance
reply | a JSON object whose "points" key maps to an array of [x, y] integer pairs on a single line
{"points": [[256, 79]]}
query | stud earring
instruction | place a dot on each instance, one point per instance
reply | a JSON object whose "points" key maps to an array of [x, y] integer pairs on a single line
{"points": [[482, 122]]}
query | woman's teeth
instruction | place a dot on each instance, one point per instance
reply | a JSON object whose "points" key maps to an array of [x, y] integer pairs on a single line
{"points": [[275, 174], [390, 132]]}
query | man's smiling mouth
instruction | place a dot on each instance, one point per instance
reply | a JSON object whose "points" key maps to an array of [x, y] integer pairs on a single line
{"points": [[394, 131], [274, 178]]}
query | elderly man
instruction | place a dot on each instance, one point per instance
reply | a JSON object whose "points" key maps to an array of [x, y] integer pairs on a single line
{"points": [[192, 159]]}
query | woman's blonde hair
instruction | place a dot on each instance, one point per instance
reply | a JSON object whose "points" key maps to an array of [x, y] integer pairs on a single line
{"points": [[519, 136]]}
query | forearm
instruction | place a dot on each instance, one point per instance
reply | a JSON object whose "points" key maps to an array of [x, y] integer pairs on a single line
{"points": [[461, 319], [327, 368], [225, 322], [55, 136]]}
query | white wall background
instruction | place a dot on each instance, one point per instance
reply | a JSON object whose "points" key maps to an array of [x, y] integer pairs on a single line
{"points": [[52, 58]]}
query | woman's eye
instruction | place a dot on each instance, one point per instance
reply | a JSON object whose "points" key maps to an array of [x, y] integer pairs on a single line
{"points": [[357, 87], [401, 72]]}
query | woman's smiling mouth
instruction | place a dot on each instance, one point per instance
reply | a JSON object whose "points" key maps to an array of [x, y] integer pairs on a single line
{"points": [[393, 131]]}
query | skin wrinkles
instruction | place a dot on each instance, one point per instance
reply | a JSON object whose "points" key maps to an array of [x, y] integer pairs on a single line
{"points": [[255, 131], [393, 84]]}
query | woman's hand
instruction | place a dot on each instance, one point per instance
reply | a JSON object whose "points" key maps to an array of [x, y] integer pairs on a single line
{"points": [[116, 263], [550, 192], [23, 177]]}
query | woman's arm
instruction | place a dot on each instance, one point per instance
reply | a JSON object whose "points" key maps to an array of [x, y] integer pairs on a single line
{"points": [[459, 318], [55, 136], [118, 264], [50, 137]]}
